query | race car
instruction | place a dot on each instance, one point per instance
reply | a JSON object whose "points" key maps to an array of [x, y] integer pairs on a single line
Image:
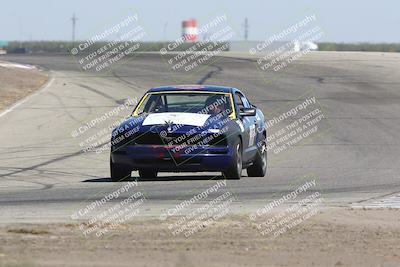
{"points": [[190, 128]]}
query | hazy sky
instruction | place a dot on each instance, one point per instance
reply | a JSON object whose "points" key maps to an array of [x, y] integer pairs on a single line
{"points": [[341, 20]]}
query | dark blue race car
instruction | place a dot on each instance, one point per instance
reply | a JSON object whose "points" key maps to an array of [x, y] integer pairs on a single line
{"points": [[190, 129]]}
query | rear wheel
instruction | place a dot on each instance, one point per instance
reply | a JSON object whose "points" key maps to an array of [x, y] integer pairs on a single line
{"points": [[149, 174], [235, 169], [119, 173], [259, 167]]}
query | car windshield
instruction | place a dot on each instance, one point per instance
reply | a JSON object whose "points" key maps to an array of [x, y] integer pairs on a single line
{"points": [[206, 103]]}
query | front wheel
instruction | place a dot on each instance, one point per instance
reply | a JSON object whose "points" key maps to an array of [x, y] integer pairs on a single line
{"points": [[119, 173], [235, 169]]}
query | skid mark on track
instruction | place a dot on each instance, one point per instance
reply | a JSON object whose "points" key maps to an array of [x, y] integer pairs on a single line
{"points": [[126, 82], [117, 101], [64, 108], [45, 163], [210, 74]]}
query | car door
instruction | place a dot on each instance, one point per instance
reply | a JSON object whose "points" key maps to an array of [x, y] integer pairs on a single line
{"points": [[249, 125]]}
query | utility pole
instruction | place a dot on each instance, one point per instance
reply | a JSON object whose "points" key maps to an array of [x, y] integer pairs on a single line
{"points": [[246, 29], [74, 19]]}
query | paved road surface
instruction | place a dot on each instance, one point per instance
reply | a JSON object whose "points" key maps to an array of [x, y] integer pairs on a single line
{"points": [[354, 157]]}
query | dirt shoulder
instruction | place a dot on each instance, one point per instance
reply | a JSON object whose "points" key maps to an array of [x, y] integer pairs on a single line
{"points": [[16, 83], [333, 237]]}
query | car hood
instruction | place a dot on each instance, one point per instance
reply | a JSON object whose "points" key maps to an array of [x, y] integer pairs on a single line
{"points": [[177, 118]]}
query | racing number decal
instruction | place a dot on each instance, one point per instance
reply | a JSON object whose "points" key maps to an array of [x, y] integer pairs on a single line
{"points": [[252, 134]]}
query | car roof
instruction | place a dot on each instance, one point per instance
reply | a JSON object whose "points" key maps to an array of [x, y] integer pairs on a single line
{"points": [[193, 87]]}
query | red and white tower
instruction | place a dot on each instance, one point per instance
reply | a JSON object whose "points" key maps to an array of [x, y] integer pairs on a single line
{"points": [[189, 30]]}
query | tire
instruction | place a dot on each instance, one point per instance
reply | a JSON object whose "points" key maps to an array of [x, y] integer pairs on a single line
{"points": [[259, 167], [234, 171], [147, 174], [119, 173]]}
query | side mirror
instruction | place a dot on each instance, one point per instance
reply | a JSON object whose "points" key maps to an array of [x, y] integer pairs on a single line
{"points": [[247, 112]]}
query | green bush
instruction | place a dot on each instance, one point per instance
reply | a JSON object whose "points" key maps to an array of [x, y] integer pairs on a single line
{"points": [[65, 47], [370, 47]]}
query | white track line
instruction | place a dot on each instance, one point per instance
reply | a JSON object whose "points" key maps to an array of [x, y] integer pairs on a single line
{"points": [[20, 102], [13, 65], [392, 201]]}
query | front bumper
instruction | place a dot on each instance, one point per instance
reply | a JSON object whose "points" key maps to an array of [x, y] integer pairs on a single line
{"points": [[176, 159]]}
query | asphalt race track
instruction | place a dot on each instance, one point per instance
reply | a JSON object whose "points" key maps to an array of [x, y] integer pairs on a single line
{"points": [[354, 158]]}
